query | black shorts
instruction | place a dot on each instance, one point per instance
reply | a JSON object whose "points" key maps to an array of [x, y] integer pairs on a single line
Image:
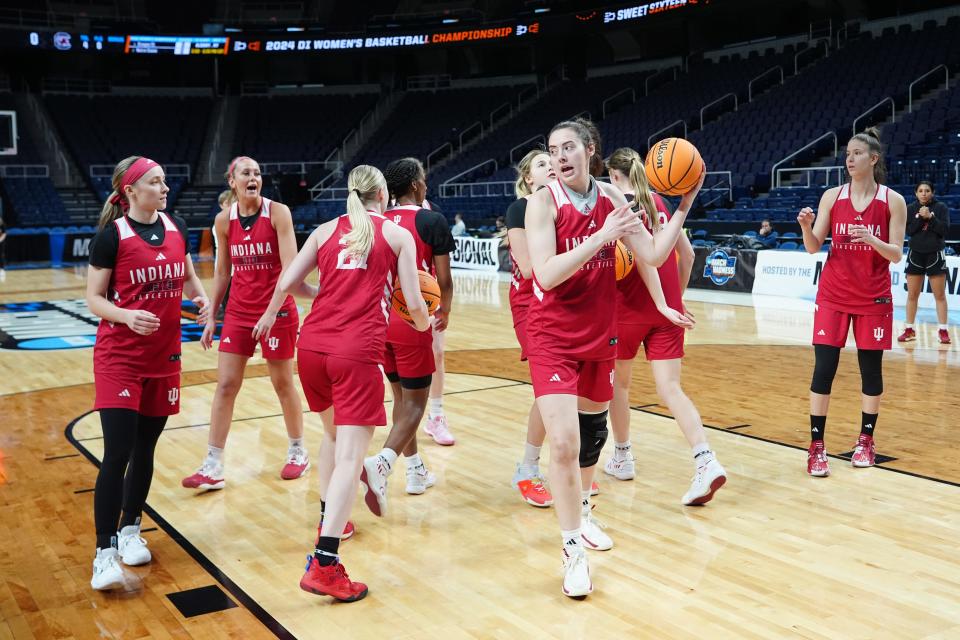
{"points": [[926, 263]]}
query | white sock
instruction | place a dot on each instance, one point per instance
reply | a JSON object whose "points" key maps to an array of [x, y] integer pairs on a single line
{"points": [[436, 407], [943, 327], [414, 461], [908, 325], [572, 541], [531, 455], [296, 442], [585, 504], [214, 454], [389, 457], [702, 455], [621, 450]]}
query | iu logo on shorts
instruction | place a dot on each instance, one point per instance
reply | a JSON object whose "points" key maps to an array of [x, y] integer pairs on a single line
{"points": [[273, 343], [173, 395], [878, 334], [611, 377]]}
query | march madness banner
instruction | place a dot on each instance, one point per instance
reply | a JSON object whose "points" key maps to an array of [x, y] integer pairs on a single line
{"points": [[475, 253]]}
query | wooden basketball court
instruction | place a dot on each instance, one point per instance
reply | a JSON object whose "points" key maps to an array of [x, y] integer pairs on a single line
{"points": [[867, 553]]}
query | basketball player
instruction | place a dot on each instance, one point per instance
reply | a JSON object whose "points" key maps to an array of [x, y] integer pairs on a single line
{"points": [[571, 228], [641, 298], [140, 268], [533, 172], [866, 221], [340, 349], [255, 242], [409, 358]]}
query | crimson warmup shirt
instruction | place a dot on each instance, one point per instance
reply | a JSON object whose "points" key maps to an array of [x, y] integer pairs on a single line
{"points": [[634, 304], [349, 315], [577, 319], [855, 278], [521, 289], [148, 277], [432, 236], [255, 256]]}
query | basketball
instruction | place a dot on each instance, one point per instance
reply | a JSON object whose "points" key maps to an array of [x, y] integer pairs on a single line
{"points": [[429, 289], [674, 166], [625, 260]]}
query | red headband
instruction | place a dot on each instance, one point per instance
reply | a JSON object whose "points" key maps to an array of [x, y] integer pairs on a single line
{"points": [[130, 176]]}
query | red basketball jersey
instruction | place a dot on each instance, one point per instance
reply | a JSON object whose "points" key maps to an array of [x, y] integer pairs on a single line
{"points": [[855, 278], [349, 315], [634, 303], [521, 290], [400, 331], [150, 278], [577, 319], [255, 256]]}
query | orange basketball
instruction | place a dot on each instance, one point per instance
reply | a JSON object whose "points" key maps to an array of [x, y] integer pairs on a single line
{"points": [[429, 289], [673, 166], [625, 260]]}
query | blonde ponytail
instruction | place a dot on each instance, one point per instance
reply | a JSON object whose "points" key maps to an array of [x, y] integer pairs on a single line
{"points": [[629, 163], [363, 183], [111, 208], [520, 187]]}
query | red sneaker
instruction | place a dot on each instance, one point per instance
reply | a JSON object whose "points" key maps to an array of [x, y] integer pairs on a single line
{"points": [[594, 488], [944, 336], [297, 464], [534, 492], [817, 460], [908, 335], [331, 580], [348, 532], [865, 454]]}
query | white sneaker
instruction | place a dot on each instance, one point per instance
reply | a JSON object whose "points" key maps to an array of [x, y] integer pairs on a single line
{"points": [[621, 469], [107, 573], [576, 574], [209, 477], [131, 547], [418, 483], [592, 535], [374, 477], [706, 481]]}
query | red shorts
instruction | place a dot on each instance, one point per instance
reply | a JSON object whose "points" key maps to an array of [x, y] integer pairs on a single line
{"points": [[589, 379], [355, 389], [520, 328], [278, 345], [874, 331], [660, 341], [153, 397], [408, 361]]}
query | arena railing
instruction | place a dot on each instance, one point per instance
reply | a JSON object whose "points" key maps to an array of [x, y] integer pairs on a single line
{"points": [[724, 187], [946, 78], [438, 154], [495, 115], [624, 91], [956, 173], [646, 82], [526, 145], [810, 172], [809, 145], [494, 189], [893, 112], [24, 171], [302, 168], [736, 104], [670, 127], [476, 125], [813, 48], [762, 75], [453, 179], [172, 170]]}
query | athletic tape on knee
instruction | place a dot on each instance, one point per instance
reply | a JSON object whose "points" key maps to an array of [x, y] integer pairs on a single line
{"points": [[593, 435]]}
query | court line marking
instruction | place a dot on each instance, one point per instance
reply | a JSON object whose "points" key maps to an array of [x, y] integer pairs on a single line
{"points": [[66, 455]]}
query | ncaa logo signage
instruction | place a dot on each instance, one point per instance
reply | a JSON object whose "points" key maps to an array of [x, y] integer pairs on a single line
{"points": [[720, 267], [61, 40]]}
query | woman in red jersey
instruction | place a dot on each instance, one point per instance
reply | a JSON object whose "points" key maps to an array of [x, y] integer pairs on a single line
{"points": [[866, 222], [140, 269], [572, 227], [409, 358], [341, 349], [533, 172], [255, 243], [642, 297]]}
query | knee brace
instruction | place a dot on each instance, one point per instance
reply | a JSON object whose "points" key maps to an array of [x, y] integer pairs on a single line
{"points": [[871, 372], [593, 435], [826, 359]]}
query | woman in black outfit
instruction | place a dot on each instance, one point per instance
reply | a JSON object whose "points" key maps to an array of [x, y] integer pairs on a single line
{"points": [[928, 221]]}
